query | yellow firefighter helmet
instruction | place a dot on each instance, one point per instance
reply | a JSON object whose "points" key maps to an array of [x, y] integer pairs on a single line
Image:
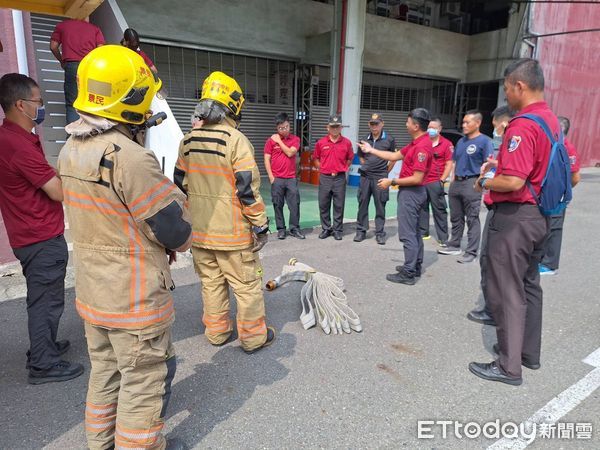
{"points": [[224, 90], [114, 82]]}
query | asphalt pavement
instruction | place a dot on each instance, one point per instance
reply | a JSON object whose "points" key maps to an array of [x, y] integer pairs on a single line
{"points": [[367, 390]]}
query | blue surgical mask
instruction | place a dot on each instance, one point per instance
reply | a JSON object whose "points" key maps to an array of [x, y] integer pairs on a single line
{"points": [[40, 115], [497, 140], [432, 132]]}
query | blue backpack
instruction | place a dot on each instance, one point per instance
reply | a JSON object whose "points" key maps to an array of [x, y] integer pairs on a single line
{"points": [[555, 191]]}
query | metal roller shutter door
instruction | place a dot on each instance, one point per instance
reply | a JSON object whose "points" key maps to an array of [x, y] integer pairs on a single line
{"points": [[395, 123], [257, 123], [319, 116]]}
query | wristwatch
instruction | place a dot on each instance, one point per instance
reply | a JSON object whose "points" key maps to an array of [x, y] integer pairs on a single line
{"points": [[394, 182], [261, 230], [482, 181]]}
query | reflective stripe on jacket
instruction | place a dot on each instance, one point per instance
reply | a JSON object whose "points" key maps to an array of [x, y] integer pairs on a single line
{"points": [[217, 170], [115, 195]]}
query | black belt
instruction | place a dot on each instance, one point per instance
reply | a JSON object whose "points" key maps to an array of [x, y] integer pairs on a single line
{"points": [[457, 178]]}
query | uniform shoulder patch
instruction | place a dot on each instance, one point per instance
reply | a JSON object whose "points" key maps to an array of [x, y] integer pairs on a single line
{"points": [[421, 157], [514, 143], [471, 149]]}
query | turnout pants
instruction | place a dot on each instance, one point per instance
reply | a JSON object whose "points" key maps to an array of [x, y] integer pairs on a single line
{"points": [[483, 261], [241, 270], [367, 189], [554, 242], [129, 387], [44, 267], [70, 88], [436, 197], [285, 190], [410, 202], [332, 188], [465, 203], [515, 246]]}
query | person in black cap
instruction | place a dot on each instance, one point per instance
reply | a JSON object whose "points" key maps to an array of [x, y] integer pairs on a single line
{"points": [[373, 169], [412, 195], [333, 155]]}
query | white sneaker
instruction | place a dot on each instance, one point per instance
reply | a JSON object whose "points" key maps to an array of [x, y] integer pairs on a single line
{"points": [[454, 251]]}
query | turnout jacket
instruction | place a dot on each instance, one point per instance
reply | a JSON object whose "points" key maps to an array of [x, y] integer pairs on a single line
{"points": [[217, 171], [123, 213]]}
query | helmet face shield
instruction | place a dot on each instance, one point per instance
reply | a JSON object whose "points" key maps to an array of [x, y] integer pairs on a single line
{"points": [[114, 82], [224, 90]]}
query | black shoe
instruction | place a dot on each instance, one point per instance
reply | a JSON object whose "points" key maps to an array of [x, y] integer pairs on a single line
{"points": [[337, 235], [61, 371], [175, 444], [269, 341], [297, 233], [491, 372], [524, 361], [481, 317], [402, 278], [418, 271], [281, 234], [360, 236], [325, 234], [62, 347], [380, 238]]}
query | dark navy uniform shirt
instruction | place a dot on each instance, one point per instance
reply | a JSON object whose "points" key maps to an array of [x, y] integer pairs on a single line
{"points": [[470, 154], [375, 167]]}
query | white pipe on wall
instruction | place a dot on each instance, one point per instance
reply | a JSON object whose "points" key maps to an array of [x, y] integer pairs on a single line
{"points": [[20, 42]]}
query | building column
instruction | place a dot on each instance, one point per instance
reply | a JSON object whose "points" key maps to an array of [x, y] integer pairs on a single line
{"points": [[347, 62]]}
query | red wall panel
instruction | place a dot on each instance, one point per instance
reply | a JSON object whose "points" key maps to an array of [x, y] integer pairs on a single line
{"points": [[571, 65]]}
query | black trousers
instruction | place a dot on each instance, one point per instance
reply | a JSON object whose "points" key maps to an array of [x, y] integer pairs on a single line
{"points": [[367, 189], [285, 190], [465, 203], [44, 267], [70, 88], [483, 261], [410, 202], [436, 197], [516, 237], [332, 188], [553, 242]]}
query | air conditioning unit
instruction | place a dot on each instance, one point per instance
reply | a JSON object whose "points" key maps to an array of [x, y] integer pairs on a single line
{"points": [[451, 9]]}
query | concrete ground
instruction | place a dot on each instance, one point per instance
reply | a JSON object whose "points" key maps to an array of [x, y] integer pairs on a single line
{"points": [[364, 390]]}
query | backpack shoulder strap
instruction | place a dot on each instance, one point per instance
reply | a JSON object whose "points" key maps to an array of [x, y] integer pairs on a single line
{"points": [[542, 124]]}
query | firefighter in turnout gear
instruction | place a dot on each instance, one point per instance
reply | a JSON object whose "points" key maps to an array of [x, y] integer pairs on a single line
{"points": [[217, 171], [125, 216]]}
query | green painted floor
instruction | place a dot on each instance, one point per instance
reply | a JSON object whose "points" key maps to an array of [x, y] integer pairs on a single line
{"points": [[309, 205]]}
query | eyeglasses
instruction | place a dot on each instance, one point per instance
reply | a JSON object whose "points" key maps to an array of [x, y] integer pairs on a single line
{"points": [[39, 101], [374, 123], [283, 128]]}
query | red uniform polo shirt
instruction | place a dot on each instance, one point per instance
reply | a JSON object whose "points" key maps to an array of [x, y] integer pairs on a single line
{"points": [[417, 158], [573, 157], [440, 155], [525, 153], [30, 216], [77, 38], [282, 165], [334, 156]]}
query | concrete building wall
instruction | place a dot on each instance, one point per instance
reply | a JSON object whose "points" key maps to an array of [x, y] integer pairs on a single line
{"points": [[491, 52], [397, 46], [273, 27], [299, 29]]}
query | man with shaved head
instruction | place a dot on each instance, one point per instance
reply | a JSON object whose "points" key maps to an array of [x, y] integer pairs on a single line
{"points": [[470, 153]]}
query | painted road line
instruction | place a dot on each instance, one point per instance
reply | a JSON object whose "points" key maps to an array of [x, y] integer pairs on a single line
{"points": [[559, 406]]}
